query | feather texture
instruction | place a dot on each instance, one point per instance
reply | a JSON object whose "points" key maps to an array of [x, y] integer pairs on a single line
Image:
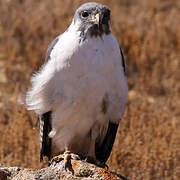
{"points": [[68, 93], [45, 141]]}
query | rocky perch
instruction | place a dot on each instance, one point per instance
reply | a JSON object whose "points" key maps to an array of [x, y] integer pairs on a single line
{"points": [[79, 170]]}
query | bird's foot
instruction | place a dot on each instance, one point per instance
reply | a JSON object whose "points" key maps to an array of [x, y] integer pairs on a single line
{"points": [[96, 162], [67, 157]]}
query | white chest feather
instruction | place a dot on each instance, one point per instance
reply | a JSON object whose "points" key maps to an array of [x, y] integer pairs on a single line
{"points": [[74, 82]]}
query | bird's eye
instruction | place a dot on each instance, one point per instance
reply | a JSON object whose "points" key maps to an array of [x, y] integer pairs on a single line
{"points": [[84, 14]]}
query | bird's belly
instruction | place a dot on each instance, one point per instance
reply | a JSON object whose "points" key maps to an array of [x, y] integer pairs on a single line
{"points": [[78, 106], [74, 123], [75, 116], [76, 144]]}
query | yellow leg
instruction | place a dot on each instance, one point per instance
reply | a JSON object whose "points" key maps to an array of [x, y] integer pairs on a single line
{"points": [[67, 156]]}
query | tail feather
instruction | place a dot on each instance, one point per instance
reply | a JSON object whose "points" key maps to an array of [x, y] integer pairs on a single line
{"points": [[45, 140]]}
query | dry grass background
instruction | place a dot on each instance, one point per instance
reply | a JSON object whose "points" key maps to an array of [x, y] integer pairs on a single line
{"points": [[148, 140]]}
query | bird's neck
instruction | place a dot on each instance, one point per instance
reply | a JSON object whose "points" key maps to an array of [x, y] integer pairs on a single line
{"points": [[92, 32]]}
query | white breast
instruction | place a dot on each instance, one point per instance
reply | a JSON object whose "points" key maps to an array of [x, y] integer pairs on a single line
{"points": [[74, 82]]}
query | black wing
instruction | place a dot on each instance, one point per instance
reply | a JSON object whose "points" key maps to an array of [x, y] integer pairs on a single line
{"points": [[45, 141], [104, 149], [123, 61], [50, 48]]}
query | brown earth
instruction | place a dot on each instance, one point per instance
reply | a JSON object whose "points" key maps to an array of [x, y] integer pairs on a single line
{"points": [[148, 141]]}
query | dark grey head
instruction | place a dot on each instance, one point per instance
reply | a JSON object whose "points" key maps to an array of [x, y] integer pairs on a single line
{"points": [[93, 19]]}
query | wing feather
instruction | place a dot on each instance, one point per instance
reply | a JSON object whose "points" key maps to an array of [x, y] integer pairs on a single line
{"points": [[104, 149], [45, 129], [123, 61]]}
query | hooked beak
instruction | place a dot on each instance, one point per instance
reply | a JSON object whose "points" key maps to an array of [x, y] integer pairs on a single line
{"points": [[96, 19]]}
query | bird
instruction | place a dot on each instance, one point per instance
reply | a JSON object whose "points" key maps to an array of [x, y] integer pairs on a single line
{"points": [[79, 94]]}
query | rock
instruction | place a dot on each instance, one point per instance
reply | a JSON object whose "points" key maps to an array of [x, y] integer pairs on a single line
{"points": [[80, 170], [7, 173]]}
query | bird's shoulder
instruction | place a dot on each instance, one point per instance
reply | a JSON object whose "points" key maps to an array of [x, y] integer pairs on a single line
{"points": [[50, 48]]}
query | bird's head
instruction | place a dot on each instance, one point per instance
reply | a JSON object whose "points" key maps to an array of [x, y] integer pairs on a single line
{"points": [[92, 19]]}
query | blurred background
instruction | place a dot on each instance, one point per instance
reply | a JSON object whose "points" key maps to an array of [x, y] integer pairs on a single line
{"points": [[148, 141]]}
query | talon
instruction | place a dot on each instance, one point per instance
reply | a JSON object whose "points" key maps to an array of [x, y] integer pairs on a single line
{"points": [[67, 156], [75, 156], [67, 152], [57, 159]]}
